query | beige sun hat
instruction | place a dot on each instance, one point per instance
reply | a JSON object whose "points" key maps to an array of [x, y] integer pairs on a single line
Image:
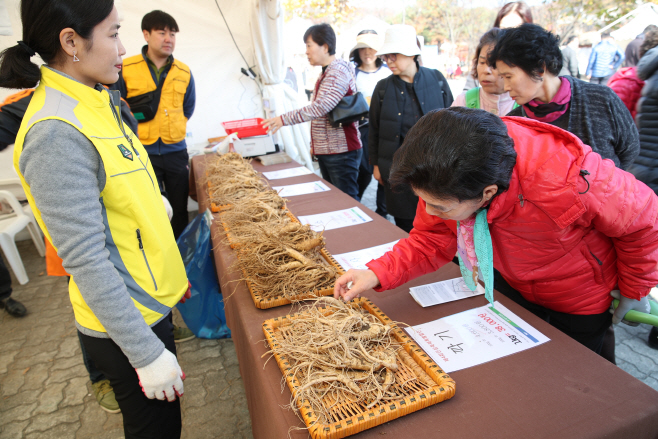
{"points": [[400, 38], [372, 41]]}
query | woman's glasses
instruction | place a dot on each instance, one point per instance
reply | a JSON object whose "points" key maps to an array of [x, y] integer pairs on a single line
{"points": [[389, 57]]}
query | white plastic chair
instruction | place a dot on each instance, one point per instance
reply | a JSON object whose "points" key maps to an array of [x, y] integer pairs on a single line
{"points": [[10, 225]]}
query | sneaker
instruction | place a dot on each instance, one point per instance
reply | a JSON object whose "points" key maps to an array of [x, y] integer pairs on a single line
{"points": [[105, 396], [13, 307], [182, 334], [653, 338]]}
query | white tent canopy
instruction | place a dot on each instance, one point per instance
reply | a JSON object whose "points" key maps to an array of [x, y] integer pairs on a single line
{"points": [[205, 44], [267, 31], [643, 16]]}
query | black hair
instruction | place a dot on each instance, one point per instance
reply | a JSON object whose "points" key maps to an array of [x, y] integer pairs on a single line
{"points": [[520, 8], [606, 35], [489, 37], [530, 48], [650, 41], [159, 20], [322, 34], [356, 58], [43, 20], [455, 153]]}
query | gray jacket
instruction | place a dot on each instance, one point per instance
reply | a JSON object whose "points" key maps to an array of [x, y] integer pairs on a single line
{"points": [[569, 62]]}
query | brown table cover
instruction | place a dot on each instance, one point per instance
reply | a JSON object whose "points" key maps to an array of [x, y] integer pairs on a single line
{"points": [[556, 390]]}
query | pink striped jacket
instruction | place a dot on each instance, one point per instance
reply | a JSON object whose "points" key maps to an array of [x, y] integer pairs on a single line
{"points": [[337, 81]]}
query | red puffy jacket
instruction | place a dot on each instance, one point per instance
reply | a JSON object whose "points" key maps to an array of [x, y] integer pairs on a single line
{"points": [[628, 87], [561, 244]]}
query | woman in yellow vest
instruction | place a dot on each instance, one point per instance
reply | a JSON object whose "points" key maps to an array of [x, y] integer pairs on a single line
{"points": [[94, 194]]}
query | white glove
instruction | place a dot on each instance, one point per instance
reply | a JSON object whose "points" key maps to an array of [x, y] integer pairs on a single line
{"points": [[170, 211], [162, 377], [626, 304]]}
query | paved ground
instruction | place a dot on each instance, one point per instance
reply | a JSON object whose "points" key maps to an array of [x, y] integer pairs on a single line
{"points": [[44, 387]]}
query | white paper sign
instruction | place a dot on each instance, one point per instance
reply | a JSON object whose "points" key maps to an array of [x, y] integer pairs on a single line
{"points": [[286, 173], [359, 258], [442, 292], [301, 189], [475, 336], [336, 219]]}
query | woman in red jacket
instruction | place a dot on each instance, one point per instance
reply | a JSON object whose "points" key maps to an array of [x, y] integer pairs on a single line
{"points": [[626, 83], [566, 226]]}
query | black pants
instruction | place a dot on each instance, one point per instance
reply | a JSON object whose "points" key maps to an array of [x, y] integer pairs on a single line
{"points": [[588, 330], [142, 417], [365, 169], [342, 170], [5, 280], [173, 173], [404, 224], [381, 201], [365, 173]]}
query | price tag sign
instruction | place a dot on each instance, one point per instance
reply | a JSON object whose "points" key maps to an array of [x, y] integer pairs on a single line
{"points": [[475, 336]]}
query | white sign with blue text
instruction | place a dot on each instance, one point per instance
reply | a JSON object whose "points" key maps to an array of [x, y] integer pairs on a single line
{"points": [[475, 336]]}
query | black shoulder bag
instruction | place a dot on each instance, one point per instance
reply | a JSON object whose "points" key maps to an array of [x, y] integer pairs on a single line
{"points": [[144, 107], [350, 109]]}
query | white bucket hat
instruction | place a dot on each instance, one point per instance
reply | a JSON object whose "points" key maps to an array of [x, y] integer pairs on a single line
{"points": [[400, 38], [372, 41]]}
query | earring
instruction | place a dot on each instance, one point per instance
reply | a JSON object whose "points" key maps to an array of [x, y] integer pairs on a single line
{"points": [[75, 58]]}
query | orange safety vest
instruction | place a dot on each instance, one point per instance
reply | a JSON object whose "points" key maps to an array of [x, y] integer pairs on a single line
{"points": [[169, 123]]}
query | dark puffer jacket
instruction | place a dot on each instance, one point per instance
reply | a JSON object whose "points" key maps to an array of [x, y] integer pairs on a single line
{"points": [[645, 167], [386, 118]]}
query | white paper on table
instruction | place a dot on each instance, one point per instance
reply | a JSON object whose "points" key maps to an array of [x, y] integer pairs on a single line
{"points": [[301, 189], [442, 292], [336, 219], [475, 336], [287, 173], [359, 258]]}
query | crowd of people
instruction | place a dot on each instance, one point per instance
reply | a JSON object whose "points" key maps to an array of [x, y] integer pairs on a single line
{"points": [[561, 196], [548, 184]]}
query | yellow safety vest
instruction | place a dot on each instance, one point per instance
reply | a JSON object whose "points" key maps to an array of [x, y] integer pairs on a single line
{"points": [[169, 123], [138, 234]]}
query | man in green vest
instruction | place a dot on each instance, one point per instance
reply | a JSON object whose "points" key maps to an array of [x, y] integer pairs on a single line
{"points": [[161, 93]]}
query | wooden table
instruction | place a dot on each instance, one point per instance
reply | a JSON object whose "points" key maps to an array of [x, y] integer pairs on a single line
{"points": [[556, 390]]}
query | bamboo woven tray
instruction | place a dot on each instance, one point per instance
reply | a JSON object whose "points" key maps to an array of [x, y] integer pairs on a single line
{"points": [[263, 302], [351, 418]]}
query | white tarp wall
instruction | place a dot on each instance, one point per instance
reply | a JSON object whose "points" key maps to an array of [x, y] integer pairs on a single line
{"points": [[5, 23], [204, 44], [267, 31]]}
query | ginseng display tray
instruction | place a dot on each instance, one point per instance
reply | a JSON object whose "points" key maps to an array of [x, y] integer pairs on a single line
{"points": [[264, 302], [351, 418], [231, 241]]}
